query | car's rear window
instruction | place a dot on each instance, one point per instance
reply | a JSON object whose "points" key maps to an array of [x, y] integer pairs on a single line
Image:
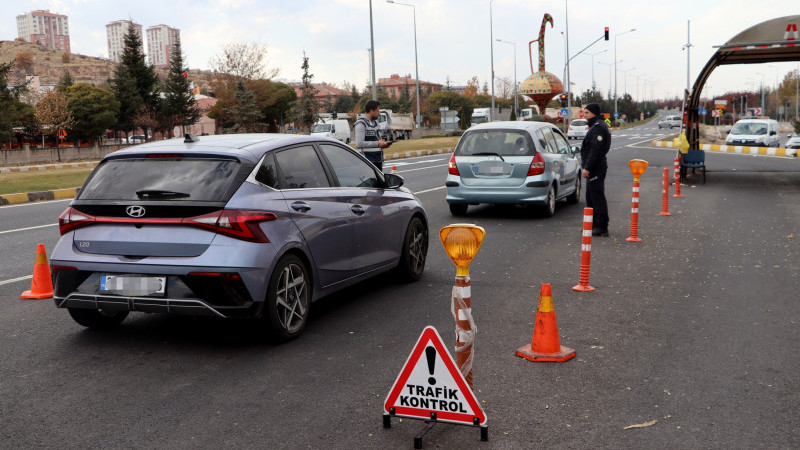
{"points": [[500, 142], [578, 123], [161, 178]]}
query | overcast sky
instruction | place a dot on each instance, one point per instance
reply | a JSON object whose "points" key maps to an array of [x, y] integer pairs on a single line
{"points": [[453, 37]]}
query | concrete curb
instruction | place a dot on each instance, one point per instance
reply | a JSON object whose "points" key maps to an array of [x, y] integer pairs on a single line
{"points": [[48, 167], [58, 194], [29, 197], [738, 149]]}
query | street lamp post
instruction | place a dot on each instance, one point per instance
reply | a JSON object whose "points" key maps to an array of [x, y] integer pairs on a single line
{"points": [[616, 113], [516, 106], [416, 64], [491, 55], [625, 81], [594, 86], [372, 53], [777, 98]]}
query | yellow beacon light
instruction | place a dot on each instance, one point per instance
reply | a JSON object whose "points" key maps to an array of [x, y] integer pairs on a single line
{"points": [[638, 166], [462, 242]]}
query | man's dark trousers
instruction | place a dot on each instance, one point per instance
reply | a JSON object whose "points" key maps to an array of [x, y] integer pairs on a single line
{"points": [[596, 198]]}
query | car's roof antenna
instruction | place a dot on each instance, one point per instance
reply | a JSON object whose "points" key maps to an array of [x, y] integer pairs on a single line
{"points": [[189, 138]]}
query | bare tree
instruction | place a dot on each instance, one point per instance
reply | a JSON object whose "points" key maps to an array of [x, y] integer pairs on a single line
{"points": [[505, 87], [243, 61]]}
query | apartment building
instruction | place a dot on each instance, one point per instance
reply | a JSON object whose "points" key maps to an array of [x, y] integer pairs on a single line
{"points": [[44, 28], [396, 84], [161, 40], [115, 33]]}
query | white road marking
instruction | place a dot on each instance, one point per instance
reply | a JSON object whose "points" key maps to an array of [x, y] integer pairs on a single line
{"points": [[29, 228], [430, 190], [14, 280]]}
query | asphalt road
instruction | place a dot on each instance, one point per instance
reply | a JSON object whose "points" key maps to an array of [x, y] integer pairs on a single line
{"points": [[693, 327]]}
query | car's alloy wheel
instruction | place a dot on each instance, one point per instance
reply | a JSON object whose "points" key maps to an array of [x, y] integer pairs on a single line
{"points": [[575, 197], [550, 206], [415, 250], [97, 318], [288, 298]]}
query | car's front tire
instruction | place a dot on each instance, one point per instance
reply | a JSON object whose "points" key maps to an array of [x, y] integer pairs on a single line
{"points": [[415, 251], [458, 209], [97, 318], [288, 299]]}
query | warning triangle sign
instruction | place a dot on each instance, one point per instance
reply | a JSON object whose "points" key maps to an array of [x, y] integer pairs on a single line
{"points": [[430, 383]]}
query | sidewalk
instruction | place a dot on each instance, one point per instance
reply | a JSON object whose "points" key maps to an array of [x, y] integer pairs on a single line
{"points": [[58, 194]]}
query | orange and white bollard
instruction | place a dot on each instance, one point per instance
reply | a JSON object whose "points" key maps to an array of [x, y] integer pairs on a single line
{"points": [[394, 170], [462, 242], [634, 237], [677, 181], [665, 195], [586, 252]]}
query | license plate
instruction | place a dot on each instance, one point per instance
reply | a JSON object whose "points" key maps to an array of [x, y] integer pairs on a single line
{"points": [[493, 168], [133, 285]]}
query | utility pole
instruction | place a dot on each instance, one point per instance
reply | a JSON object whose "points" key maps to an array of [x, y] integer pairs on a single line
{"points": [[569, 101], [372, 52]]}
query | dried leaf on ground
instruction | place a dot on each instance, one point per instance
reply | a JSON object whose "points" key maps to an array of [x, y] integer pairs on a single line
{"points": [[641, 425]]}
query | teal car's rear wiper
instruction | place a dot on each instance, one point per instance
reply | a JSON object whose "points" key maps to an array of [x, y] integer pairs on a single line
{"points": [[158, 193]]}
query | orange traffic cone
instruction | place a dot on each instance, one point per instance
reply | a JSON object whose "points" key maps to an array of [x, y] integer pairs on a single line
{"points": [[545, 345], [42, 283]]}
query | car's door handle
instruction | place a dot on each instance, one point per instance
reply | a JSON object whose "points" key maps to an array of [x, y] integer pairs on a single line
{"points": [[300, 206], [357, 210]]}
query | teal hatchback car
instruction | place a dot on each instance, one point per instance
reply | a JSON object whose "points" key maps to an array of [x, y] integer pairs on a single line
{"points": [[513, 163]]}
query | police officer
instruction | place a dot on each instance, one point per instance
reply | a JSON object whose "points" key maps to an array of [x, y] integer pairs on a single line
{"points": [[593, 162], [368, 141]]}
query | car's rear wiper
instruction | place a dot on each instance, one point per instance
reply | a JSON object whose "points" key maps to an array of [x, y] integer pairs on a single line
{"points": [[488, 154], [158, 193]]}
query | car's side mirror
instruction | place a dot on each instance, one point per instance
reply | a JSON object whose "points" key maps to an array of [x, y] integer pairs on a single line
{"points": [[575, 150], [773, 133], [728, 132], [392, 181]]}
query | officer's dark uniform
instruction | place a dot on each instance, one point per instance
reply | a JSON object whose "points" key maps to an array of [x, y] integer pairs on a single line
{"points": [[593, 158]]}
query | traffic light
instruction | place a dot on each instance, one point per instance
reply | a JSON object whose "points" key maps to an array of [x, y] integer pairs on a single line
{"points": [[606, 35], [334, 114], [563, 99]]}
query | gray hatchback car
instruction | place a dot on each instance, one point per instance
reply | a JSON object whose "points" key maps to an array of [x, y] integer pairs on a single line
{"points": [[254, 226], [513, 163]]}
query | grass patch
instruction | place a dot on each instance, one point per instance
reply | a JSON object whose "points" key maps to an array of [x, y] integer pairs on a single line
{"points": [[42, 180], [422, 144]]}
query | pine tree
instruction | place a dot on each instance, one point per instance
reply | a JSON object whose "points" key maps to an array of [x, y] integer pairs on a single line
{"points": [[179, 106], [65, 81], [305, 111], [244, 111], [135, 85]]}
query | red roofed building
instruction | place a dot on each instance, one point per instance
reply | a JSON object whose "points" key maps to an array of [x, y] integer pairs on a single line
{"points": [[394, 85], [325, 93]]}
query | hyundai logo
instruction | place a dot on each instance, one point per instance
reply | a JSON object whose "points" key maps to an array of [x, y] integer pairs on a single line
{"points": [[135, 211]]}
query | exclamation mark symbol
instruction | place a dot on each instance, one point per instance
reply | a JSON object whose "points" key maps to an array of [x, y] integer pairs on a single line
{"points": [[430, 353]]}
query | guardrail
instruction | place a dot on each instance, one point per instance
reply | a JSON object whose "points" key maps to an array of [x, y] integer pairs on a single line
{"points": [[737, 149]]}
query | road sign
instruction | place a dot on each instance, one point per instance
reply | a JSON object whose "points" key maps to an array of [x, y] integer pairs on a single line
{"points": [[720, 103], [564, 112], [756, 111], [715, 113], [62, 134], [430, 383], [616, 114]]}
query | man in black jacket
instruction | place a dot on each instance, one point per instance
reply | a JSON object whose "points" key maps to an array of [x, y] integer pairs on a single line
{"points": [[593, 162]]}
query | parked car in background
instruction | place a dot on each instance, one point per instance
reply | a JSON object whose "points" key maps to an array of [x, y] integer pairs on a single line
{"points": [[138, 138], [526, 163], [755, 132], [240, 225], [577, 129], [793, 141], [670, 122]]}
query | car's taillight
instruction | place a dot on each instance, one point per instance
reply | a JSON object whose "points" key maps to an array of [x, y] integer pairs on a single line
{"points": [[570, 127], [239, 224], [537, 165], [72, 219], [452, 167]]}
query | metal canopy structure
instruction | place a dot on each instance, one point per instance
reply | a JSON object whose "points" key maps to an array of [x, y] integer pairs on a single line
{"points": [[774, 40]]}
